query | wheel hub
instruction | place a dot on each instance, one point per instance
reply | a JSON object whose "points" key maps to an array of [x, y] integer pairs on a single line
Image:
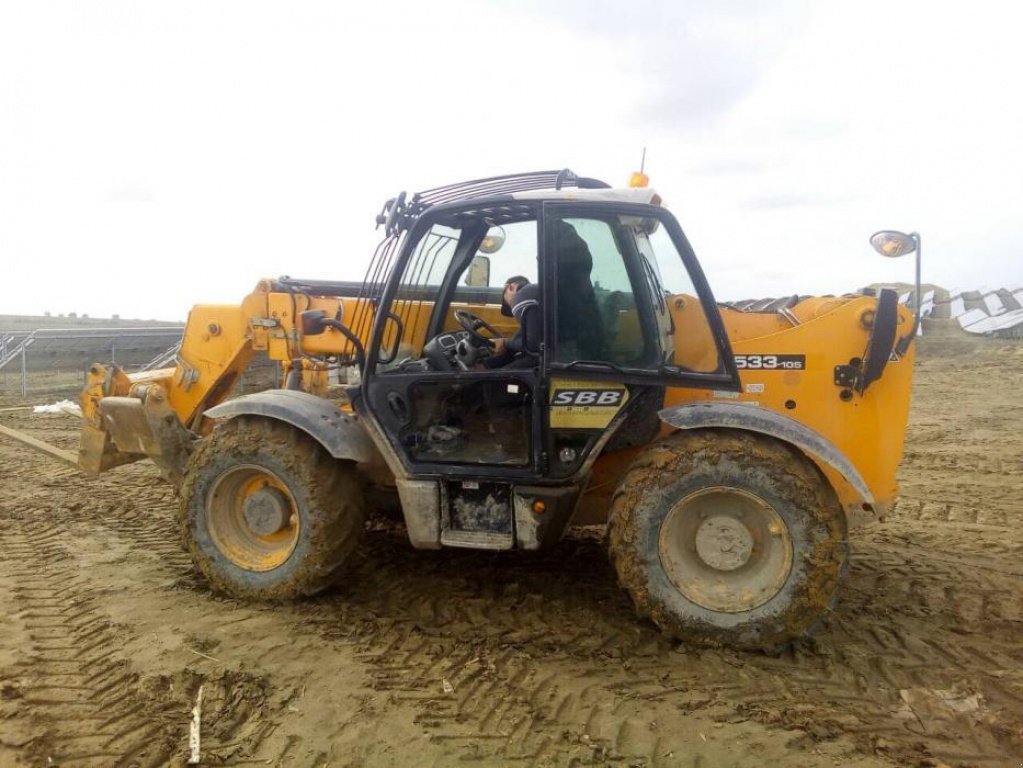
{"points": [[725, 549], [724, 543], [266, 511]]}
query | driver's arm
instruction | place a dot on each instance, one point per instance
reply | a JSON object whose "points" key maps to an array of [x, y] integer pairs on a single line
{"points": [[527, 338], [503, 356]]}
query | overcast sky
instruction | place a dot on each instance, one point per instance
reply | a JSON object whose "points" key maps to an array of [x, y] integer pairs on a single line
{"points": [[157, 155]]}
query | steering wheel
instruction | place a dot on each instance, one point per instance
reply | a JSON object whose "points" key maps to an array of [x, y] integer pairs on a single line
{"points": [[473, 325]]}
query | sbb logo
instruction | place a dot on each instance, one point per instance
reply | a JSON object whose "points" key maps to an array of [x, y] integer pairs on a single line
{"points": [[601, 397]]}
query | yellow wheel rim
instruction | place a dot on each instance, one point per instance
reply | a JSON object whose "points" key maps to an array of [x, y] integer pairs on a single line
{"points": [[253, 518], [725, 549]]}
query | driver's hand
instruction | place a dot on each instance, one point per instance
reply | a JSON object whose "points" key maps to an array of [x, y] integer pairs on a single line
{"points": [[498, 346]]}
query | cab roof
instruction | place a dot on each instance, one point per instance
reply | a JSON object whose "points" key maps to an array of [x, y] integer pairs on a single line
{"points": [[400, 212]]}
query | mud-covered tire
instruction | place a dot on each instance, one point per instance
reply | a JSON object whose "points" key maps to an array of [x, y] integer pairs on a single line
{"points": [[683, 486], [316, 500]]}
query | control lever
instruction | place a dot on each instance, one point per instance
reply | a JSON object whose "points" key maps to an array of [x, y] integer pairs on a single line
{"points": [[465, 354]]}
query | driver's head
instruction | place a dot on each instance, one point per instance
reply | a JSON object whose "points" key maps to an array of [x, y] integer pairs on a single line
{"points": [[511, 286]]}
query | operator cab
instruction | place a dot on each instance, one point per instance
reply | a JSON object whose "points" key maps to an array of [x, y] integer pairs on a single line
{"points": [[613, 273]]}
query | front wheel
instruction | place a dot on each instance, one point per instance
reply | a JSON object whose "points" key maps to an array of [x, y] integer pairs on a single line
{"points": [[728, 538], [267, 513]]}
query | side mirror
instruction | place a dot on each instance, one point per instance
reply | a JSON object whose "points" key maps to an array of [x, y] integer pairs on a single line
{"points": [[493, 241], [892, 244], [478, 273], [313, 322]]}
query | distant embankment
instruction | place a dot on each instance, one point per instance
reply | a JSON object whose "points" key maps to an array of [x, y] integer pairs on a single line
{"points": [[35, 322]]}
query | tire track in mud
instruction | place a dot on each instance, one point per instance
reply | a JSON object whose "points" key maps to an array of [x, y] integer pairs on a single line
{"points": [[961, 507], [71, 695], [508, 669], [532, 667], [109, 719], [79, 693], [978, 486], [133, 502], [924, 460], [540, 652], [78, 701], [909, 623], [471, 653]]}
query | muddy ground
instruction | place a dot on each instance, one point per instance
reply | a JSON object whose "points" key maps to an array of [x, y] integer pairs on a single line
{"points": [[440, 658]]}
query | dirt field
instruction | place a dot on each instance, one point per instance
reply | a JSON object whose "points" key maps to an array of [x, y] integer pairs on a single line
{"points": [[435, 658]]}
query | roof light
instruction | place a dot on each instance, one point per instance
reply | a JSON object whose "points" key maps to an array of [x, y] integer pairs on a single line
{"points": [[639, 179]]}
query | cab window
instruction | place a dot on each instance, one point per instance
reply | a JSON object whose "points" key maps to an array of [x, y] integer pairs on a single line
{"points": [[598, 317], [461, 262], [508, 250], [681, 320]]}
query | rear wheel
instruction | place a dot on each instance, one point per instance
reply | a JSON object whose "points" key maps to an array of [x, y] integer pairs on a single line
{"points": [[267, 513], [731, 538]]}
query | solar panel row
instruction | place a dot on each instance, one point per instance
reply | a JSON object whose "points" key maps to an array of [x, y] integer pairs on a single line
{"points": [[73, 348]]}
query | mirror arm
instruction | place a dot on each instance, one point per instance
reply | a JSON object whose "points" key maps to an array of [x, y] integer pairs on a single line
{"points": [[905, 341], [360, 352]]}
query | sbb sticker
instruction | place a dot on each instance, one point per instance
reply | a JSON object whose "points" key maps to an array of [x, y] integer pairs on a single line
{"points": [[771, 362], [598, 397], [582, 404]]}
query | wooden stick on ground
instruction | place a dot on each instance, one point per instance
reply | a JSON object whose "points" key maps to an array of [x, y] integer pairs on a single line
{"points": [[38, 445], [194, 746]]}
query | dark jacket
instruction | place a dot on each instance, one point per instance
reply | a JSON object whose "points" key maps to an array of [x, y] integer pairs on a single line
{"points": [[526, 340]]}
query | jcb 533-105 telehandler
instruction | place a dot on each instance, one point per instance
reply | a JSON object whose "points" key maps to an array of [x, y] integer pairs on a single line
{"points": [[728, 451]]}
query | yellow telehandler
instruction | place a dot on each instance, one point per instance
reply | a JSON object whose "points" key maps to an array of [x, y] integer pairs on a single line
{"points": [[526, 351]]}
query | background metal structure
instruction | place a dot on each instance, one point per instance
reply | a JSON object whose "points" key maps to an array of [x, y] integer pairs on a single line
{"points": [[73, 349]]}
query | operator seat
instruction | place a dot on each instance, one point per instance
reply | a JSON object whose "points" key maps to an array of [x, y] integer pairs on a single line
{"points": [[580, 325]]}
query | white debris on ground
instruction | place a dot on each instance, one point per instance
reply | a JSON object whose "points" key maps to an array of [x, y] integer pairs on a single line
{"points": [[64, 406], [934, 709]]}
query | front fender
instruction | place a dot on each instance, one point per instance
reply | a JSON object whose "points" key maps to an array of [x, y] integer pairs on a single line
{"points": [[341, 434], [767, 422]]}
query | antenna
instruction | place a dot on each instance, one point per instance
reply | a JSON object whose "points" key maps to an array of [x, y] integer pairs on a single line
{"points": [[642, 162]]}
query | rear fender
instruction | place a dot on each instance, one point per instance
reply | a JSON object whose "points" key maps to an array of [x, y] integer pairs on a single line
{"points": [[341, 434], [751, 418]]}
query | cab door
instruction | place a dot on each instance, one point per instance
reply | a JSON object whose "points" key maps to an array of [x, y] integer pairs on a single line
{"points": [[462, 438], [616, 280], [440, 418]]}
